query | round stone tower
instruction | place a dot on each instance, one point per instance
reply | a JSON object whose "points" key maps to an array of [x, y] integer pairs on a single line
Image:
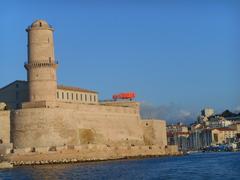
{"points": [[41, 66]]}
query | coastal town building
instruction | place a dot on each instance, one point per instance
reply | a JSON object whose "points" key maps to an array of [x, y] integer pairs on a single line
{"points": [[178, 135], [222, 135], [218, 122], [195, 140], [209, 130], [207, 112], [236, 127]]}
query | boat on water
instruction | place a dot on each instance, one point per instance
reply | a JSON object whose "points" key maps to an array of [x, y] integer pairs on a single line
{"points": [[192, 152], [219, 148]]}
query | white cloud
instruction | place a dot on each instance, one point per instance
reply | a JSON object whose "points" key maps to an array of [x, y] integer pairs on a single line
{"points": [[237, 109], [172, 113]]}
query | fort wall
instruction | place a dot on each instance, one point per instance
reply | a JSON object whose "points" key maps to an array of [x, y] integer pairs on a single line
{"points": [[76, 124], [5, 127], [61, 121], [154, 132]]}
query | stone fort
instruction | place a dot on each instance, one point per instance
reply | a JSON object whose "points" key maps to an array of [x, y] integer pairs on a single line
{"points": [[40, 114]]}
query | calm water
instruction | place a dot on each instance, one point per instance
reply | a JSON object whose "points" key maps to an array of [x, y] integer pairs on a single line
{"points": [[195, 166]]}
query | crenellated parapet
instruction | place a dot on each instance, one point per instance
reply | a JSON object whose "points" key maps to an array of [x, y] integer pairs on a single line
{"points": [[40, 64]]}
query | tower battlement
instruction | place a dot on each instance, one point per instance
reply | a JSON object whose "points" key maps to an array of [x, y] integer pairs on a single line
{"points": [[40, 64]]}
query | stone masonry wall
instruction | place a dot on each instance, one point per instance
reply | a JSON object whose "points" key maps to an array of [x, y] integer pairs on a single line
{"points": [[5, 126], [154, 132], [71, 124]]}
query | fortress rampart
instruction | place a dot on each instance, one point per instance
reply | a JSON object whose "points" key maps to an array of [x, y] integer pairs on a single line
{"points": [[75, 124], [69, 122]]}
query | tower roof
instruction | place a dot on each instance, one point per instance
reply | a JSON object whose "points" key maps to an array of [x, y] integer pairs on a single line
{"points": [[40, 23]]}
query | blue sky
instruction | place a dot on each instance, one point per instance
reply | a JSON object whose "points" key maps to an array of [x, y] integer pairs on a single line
{"points": [[180, 54]]}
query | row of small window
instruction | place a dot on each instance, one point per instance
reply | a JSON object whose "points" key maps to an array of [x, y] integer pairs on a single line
{"points": [[73, 96]]}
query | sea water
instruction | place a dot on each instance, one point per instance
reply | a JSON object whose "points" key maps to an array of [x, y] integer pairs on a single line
{"points": [[224, 165]]}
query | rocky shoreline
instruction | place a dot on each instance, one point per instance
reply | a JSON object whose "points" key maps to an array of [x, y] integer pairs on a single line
{"points": [[71, 161], [87, 155]]}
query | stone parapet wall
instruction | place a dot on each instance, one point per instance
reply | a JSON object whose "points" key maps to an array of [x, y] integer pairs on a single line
{"points": [[102, 108], [85, 107], [121, 103], [39, 104]]}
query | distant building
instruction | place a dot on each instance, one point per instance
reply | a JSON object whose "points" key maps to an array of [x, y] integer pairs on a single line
{"points": [[222, 135], [178, 135], [205, 115], [195, 140], [207, 112], [209, 130], [218, 122], [203, 137], [236, 127]]}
